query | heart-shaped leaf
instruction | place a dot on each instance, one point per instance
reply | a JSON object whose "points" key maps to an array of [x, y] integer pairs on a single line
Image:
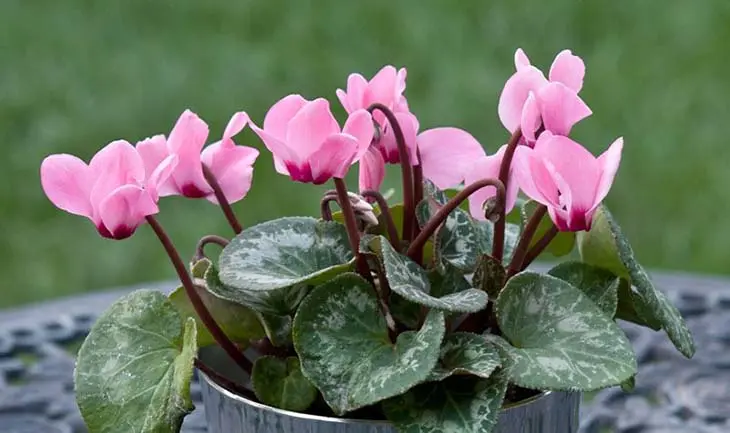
{"points": [[133, 370], [345, 351], [411, 281], [431, 190], [280, 383], [562, 340], [562, 244], [277, 328], [465, 353], [239, 323], [277, 302], [459, 241], [489, 276], [632, 308], [512, 234], [456, 405], [285, 252], [599, 284], [605, 245]]}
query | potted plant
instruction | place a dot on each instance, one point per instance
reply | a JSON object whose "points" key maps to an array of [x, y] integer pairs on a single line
{"points": [[416, 317]]}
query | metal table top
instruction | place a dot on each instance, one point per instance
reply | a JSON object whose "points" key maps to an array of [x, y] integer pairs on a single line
{"points": [[38, 342]]}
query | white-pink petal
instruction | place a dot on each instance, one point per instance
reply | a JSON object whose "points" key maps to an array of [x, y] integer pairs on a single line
{"points": [[66, 180], [447, 154], [372, 170], [333, 158], [561, 108], [515, 93], [280, 114], [124, 209], [569, 70], [609, 162], [310, 127], [359, 125]]}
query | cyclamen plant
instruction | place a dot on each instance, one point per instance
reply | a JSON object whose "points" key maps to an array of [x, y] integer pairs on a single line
{"points": [[422, 312]]}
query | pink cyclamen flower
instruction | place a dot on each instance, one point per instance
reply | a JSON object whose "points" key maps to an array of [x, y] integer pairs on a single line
{"points": [[114, 191], [386, 88], [447, 155], [307, 142], [564, 176], [532, 102], [488, 167], [232, 165]]}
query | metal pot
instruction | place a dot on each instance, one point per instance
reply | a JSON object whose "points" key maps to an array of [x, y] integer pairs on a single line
{"points": [[549, 412]]}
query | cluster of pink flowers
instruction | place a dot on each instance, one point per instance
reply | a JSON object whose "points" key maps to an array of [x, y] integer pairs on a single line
{"points": [[122, 183]]}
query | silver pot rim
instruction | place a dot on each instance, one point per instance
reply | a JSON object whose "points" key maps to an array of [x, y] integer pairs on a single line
{"points": [[306, 416]]}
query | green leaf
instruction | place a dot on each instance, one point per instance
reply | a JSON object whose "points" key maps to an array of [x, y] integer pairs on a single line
{"points": [[563, 242], [459, 241], [600, 285], [431, 190], [280, 383], [285, 252], [277, 302], [197, 269], [277, 328], [456, 405], [465, 353], [629, 384], [606, 238], [409, 280], [343, 344], [632, 308], [562, 340], [239, 323], [489, 276], [133, 370], [511, 238]]}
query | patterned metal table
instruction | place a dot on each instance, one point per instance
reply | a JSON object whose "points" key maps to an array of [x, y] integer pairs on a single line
{"points": [[37, 346]]}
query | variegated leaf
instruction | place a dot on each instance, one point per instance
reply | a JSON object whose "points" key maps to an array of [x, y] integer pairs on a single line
{"points": [[561, 340], [600, 285], [489, 276], [345, 351], [411, 281], [458, 241], [605, 245], [465, 353], [276, 302], [134, 369], [456, 405], [285, 252]]}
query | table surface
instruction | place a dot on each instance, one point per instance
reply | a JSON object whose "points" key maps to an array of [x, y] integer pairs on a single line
{"points": [[672, 394]]}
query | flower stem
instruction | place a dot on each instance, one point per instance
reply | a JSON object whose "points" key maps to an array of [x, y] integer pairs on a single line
{"points": [[324, 205], [452, 204], [418, 197], [200, 309], [205, 240], [499, 226], [222, 200], [352, 231], [521, 250], [409, 215], [387, 216], [384, 295], [539, 246]]}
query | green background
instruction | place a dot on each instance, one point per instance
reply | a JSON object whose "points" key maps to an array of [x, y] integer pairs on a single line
{"points": [[76, 74]]}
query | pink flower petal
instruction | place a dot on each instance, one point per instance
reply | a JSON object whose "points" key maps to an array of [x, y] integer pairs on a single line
{"points": [[530, 119], [400, 80], [521, 59], [67, 182], [281, 152], [609, 162], [333, 158], [447, 154], [360, 126], [561, 108], [235, 125], [389, 145], [186, 140], [488, 167], [569, 70], [353, 99], [383, 87], [153, 151], [310, 127], [372, 170], [161, 176], [117, 164], [516, 90], [124, 210], [280, 114], [232, 167]]}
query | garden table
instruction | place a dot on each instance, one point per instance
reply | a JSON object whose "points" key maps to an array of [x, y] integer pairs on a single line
{"points": [[672, 394]]}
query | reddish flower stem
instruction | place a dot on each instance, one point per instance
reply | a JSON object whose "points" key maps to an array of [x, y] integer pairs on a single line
{"points": [[499, 226], [519, 255], [417, 198], [409, 215], [387, 216], [200, 309], [324, 205], [452, 204], [352, 231], [222, 200], [204, 241], [539, 246]]}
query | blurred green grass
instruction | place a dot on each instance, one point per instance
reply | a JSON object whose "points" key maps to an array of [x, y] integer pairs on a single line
{"points": [[77, 74]]}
